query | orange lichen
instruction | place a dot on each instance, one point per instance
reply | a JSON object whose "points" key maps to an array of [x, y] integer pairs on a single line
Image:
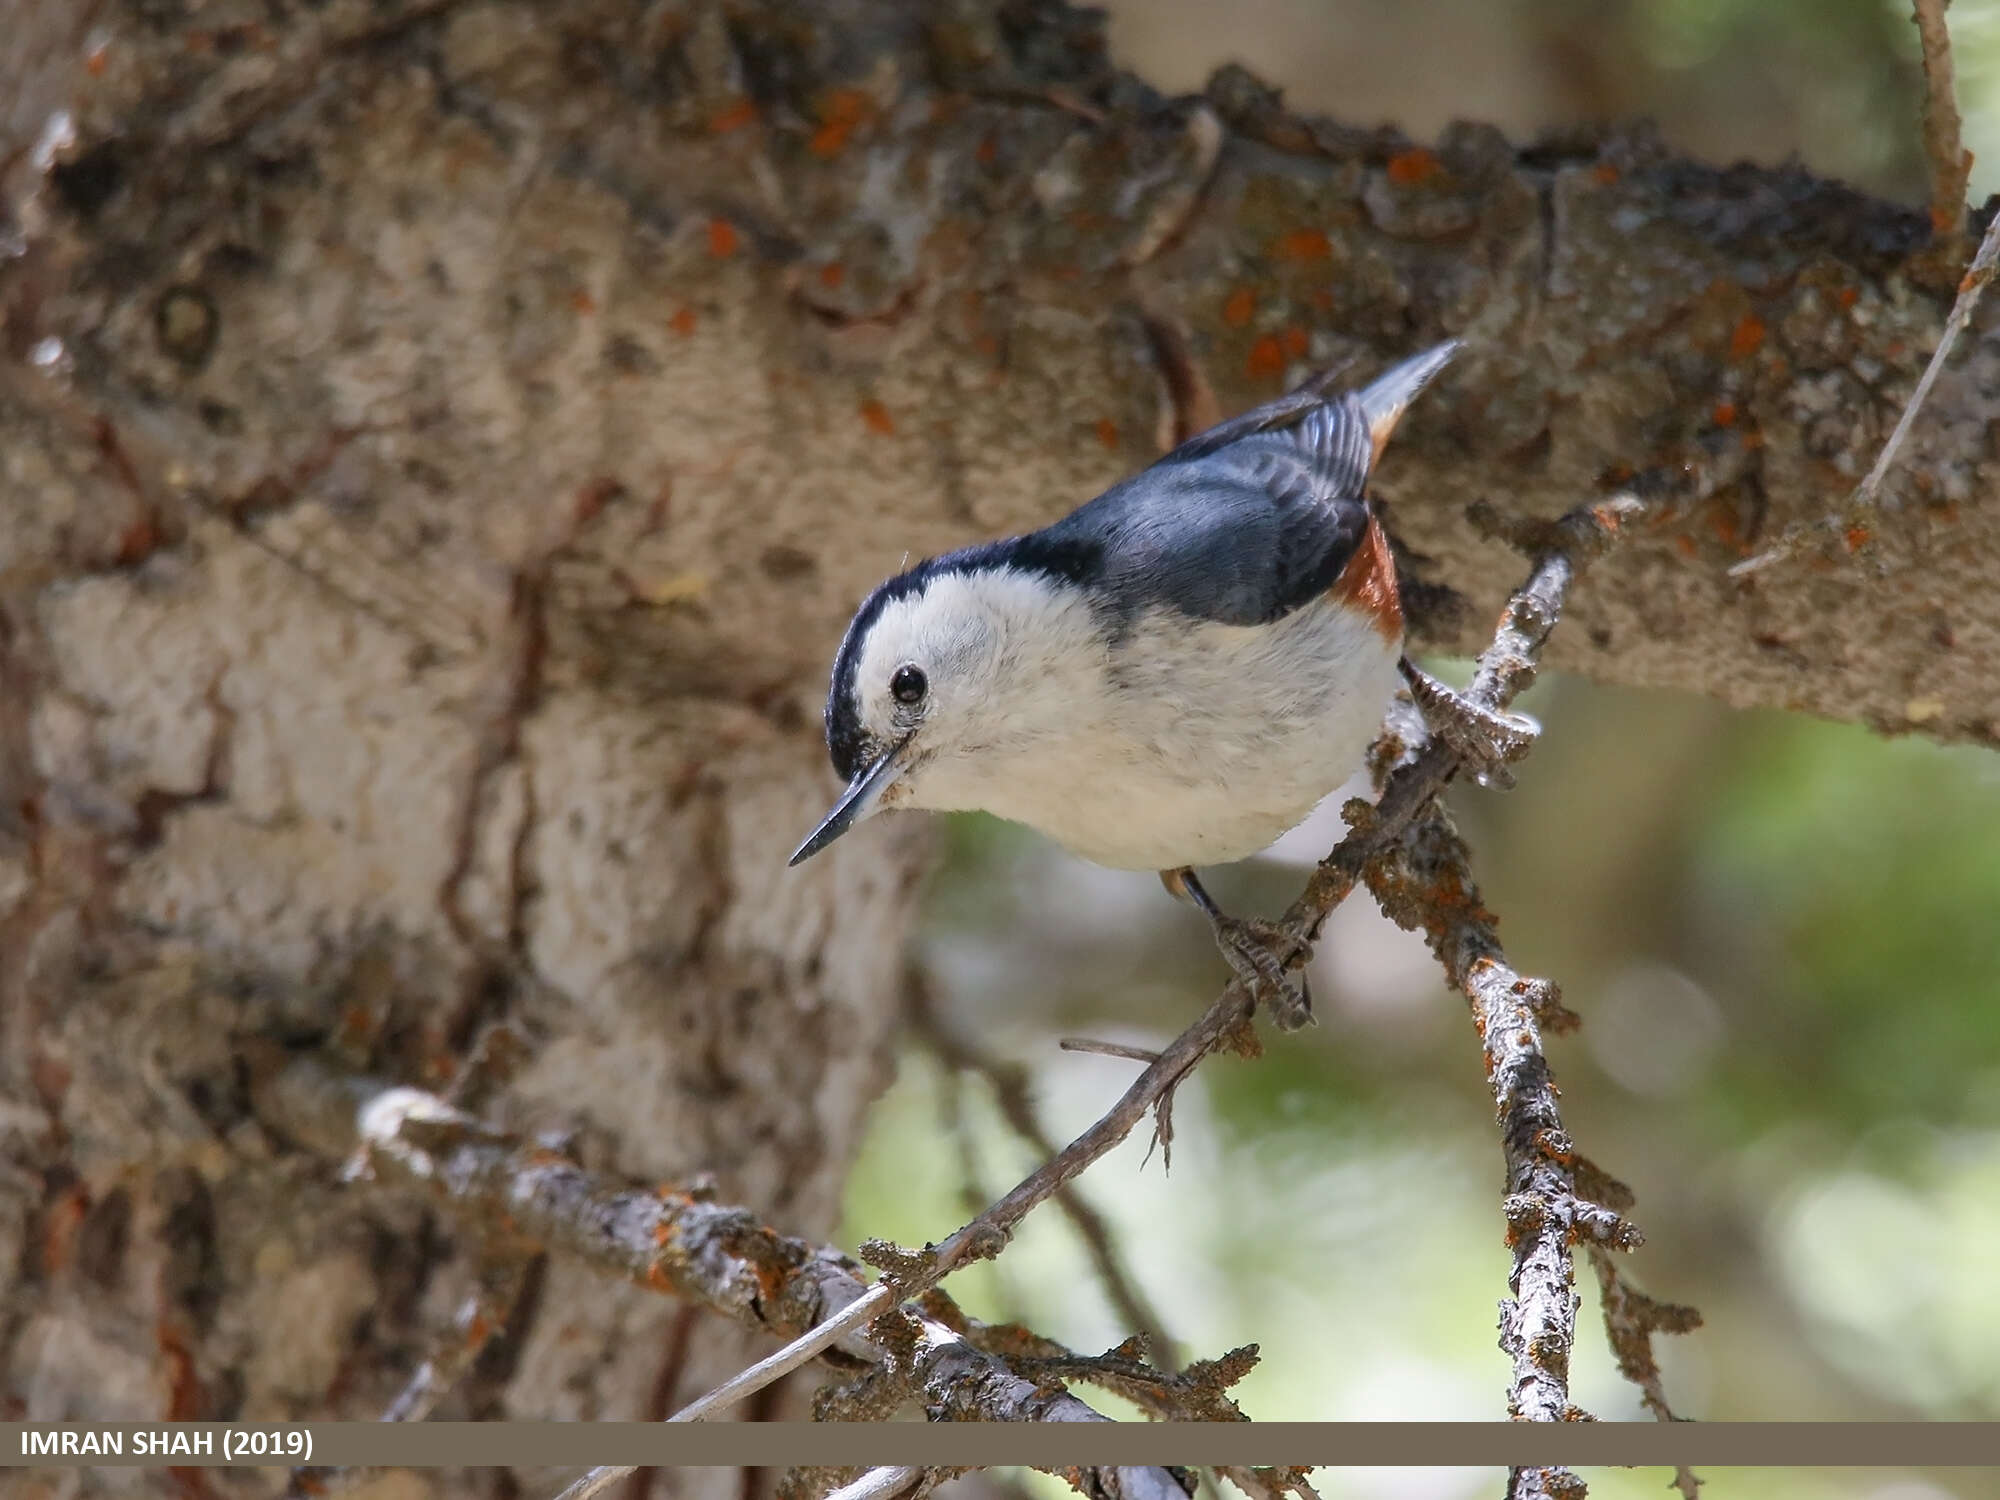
{"points": [[722, 238], [1406, 168], [1685, 545], [832, 274], [94, 63], [877, 419], [59, 1228], [1847, 296], [592, 498], [1747, 337], [1857, 538], [1604, 174], [1294, 339], [1241, 304], [1266, 361], [1303, 245], [138, 541], [841, 112], [357, 1024], [1107, 432], [583, 302], [770, 1282], [1724, 414], [986, 152], [682, 322], [733, 117]]}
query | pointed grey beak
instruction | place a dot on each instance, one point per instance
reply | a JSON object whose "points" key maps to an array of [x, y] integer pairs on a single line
{"points": [[861, 798]]}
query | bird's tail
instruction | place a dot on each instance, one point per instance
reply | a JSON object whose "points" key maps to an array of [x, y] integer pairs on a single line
{"points": [[1384, 399]]}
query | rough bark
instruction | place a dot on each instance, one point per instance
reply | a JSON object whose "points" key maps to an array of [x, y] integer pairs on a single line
{"points": [[440, 443]]}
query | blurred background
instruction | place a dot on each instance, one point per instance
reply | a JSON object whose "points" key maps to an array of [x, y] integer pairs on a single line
{"points": [[1783, 935]]}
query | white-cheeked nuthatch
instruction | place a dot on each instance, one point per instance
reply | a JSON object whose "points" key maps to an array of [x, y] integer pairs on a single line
{"points": [[1173, 674]]}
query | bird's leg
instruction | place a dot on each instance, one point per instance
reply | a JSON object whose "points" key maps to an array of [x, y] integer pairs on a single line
{"points": [[1486, 741], [1257, 950]]}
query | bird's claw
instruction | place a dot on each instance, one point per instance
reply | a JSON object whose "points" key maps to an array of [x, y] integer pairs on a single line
{"points": [[1487, 742], [1257, 951]]}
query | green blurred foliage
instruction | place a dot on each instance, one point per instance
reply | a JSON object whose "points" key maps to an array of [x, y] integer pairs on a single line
{"points": [[1872, 869]]}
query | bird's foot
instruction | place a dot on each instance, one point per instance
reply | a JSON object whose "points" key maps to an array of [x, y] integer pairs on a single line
{"points": [[1488, 742], [1257, 951]]}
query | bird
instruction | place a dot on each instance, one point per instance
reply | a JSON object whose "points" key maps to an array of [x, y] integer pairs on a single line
{"points": [[1173, 674]]}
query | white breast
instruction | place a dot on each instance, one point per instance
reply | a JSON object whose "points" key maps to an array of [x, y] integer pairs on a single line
{"points": [[1187, 742]]}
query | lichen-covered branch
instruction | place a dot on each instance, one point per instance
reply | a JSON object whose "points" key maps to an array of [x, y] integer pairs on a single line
{"points": [[1423, 881], [668, 1239]]}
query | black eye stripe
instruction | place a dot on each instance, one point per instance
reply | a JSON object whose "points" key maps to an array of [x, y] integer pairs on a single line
{"points": [[909, 685]]}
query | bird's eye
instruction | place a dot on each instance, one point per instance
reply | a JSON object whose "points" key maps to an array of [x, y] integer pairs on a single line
{"points": [[909, 685]]}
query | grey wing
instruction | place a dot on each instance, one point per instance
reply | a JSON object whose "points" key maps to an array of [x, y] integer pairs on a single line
{"points": [[1244, 531]]}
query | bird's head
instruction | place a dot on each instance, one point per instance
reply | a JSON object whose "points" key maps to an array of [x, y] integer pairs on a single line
{"points": [[949, 674]]}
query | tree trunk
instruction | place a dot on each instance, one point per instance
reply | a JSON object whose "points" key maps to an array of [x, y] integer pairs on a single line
{"points": [[442, 442]]}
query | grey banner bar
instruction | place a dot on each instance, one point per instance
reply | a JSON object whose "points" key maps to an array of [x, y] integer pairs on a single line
{"points": [[1044, 1444]]}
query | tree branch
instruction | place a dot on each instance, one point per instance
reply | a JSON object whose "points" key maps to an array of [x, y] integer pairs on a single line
{"points": [[668, 1239], [1950, 162]]}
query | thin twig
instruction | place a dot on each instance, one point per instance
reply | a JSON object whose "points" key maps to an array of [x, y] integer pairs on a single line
{"points": [[1108, 1049], [1845, 521], [1010, 1092], [1631, 1318], [878, 1484], [597, 1481], [1950, 162], [987, 1234]]}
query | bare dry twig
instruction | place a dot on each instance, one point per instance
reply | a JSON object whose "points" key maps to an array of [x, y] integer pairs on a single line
{"points": [[1950, 162], [1010, 1092], [878, 1484], [1951, 168], [1631, 1318], [482, 1315]]}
